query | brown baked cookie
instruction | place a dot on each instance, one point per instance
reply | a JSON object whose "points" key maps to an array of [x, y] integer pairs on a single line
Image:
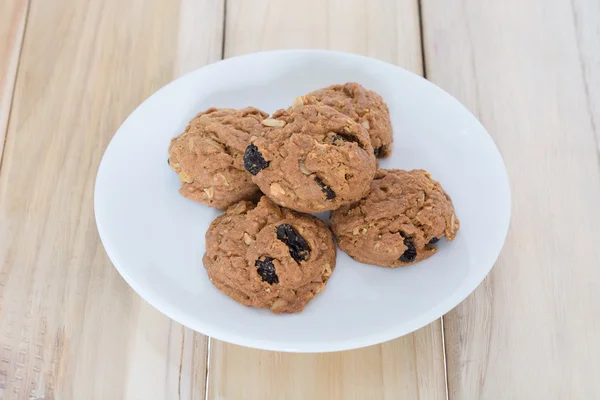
{"points": [[311, 159], [363, 106], [267, 256], [208, 156], [399, 222]]}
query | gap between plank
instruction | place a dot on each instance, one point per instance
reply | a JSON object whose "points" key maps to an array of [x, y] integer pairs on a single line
{"points": [[207, 378], [422, 39], [208, 338], [443, 335], [181, 360], [224, 34], [424, 68]]}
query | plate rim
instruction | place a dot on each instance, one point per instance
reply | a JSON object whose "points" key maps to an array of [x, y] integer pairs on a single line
{"points": [[212, 331]]}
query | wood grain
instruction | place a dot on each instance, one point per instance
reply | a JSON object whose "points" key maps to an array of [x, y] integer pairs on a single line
{"points": [[410, 367], [586, 18], [70, 327], [12, 27], [71, 71], [529, 71], [384, 29]]}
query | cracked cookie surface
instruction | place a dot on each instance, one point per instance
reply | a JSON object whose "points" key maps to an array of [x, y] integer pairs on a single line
{"points": [[208, 156], [266, 256], [364, 106], [311, 159], [399, 222]]}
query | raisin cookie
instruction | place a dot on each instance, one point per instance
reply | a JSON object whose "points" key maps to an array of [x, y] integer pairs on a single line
{"points": [[208, 156], [267, 256], [363, 106], [311, 159], [399, 222]]}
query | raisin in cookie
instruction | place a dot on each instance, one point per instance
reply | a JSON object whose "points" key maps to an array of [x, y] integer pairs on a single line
{"points": [[399, 222], [267, 256], [363, 106], [208, 156], [311, 159]]}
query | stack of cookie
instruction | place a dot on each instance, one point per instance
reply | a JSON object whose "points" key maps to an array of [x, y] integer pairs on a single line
{"points": [[270, 173]]}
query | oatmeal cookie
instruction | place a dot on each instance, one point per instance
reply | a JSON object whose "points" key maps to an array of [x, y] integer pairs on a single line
{"points": [[363, 106], [400, 221], [311, 159], [267, 256], [208, 156]]}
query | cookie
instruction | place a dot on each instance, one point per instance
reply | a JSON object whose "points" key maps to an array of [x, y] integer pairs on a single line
{"points": [[208, 156], [363, 106], [400, 221], [311, 159], [267, 256]]}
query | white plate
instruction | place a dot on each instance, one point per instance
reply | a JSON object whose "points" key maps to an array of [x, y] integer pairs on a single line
{"points": [[155, 237]]}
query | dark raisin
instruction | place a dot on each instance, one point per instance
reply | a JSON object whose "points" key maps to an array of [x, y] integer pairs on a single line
{"points": [[434, 240], [266, 270], [378, 151], [346, 138], [410, 253], [253, 160], [329, 193], [299, 249], [169, 161]]}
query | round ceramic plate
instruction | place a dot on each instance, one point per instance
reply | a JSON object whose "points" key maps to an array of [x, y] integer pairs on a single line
{"points": [[155, 237]]}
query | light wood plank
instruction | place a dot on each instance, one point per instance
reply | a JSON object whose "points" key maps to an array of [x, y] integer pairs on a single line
{"points": [[13, 14], [70, 327], [410, 367], [530, 331], [384, 29]]}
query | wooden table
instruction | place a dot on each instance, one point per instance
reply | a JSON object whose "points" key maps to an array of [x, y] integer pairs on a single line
{"points": [[72, 70]]}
